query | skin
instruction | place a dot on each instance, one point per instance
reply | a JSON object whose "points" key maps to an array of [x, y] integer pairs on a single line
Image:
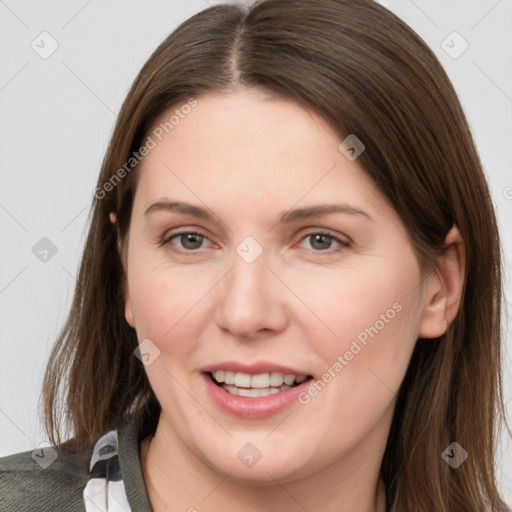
{"points": [[249, 158]]}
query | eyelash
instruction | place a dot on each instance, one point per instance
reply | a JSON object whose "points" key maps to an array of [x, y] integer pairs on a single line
{"points": [[343, 244]]}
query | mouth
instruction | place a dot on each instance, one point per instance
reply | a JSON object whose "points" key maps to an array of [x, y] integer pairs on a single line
{"points": [[258, 390], [255, 386]]}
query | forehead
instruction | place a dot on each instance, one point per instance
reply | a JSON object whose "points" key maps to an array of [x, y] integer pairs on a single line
{"points": [[247, 143], [236, 126]]}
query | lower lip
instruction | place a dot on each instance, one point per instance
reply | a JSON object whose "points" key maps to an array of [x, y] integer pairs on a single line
{"points": [[253, 408]]}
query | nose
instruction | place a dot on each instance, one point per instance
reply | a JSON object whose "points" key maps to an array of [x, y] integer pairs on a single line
{"points": [[251, 301]]}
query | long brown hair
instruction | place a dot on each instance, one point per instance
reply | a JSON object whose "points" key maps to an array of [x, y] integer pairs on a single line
{"points": [[367, 73]]}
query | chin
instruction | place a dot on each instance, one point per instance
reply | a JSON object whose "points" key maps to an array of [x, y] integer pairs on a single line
{"points": [[260, 475], [263, 469]]}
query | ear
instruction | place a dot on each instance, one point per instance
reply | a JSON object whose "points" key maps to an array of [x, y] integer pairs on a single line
{"points": [[444, 288], [113, 218], [126, 293], [128, 314]]}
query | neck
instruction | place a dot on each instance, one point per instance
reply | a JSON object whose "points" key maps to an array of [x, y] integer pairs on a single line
{"points": [[177, 481]]}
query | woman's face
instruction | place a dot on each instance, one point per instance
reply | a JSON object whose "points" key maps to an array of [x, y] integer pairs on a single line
{"points": [[294, 264]]}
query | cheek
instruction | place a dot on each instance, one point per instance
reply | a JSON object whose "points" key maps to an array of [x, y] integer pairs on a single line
{"points": [[369, 305], [374, 317], [168, 303], [372, 320], [362, 303]]}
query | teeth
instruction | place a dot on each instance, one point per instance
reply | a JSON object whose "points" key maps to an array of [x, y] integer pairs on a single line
{"points": [[289, 379], [253, 392], [276, 379], [242, 380], [260, 381], [264, 381], [231, 389], [229, 377]]}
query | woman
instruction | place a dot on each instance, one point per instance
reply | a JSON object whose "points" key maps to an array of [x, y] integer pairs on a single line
{"points": [[290, 294]]}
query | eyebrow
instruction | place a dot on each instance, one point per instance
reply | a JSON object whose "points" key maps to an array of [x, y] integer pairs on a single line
{"points": [[286, 217]]}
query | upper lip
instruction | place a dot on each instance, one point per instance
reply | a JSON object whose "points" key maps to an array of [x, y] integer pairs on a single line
{"points": [[255, 368]]}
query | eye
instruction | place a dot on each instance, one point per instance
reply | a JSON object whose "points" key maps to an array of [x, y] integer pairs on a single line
{"points": [[191, 241], [186, 241], [322, 241]]}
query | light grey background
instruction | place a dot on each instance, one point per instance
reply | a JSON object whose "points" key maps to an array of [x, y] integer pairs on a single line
{"points": [[56, 117]]}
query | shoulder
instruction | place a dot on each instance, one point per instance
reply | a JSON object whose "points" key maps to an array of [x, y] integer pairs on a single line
{"points": [[51, 478]]}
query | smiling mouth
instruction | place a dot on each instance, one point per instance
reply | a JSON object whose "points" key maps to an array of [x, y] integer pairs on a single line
{"points": [[254, 386]]}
